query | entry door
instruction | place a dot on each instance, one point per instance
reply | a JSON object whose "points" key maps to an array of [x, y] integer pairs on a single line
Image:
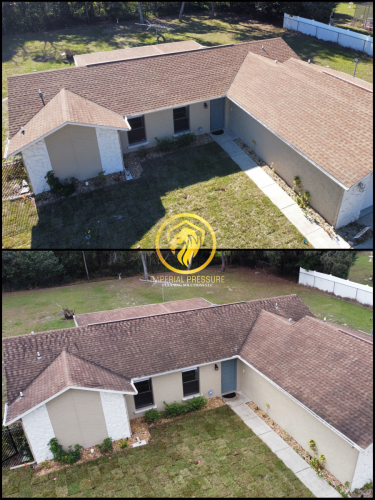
{"points": [[228, 376], [217, 117]]}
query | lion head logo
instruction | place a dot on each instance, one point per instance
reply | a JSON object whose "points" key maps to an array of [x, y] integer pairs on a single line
{"points": [[188, 240]]}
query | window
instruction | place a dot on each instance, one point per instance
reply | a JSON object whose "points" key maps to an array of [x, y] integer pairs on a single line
{"points": [[144, 396], [137, 132], [181, 119], [190, 382]]}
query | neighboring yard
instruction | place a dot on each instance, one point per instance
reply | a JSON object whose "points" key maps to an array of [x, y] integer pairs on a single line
{"points": [[130, 214], [344, 14], [362, 269], [42, 51], [168, 466]]}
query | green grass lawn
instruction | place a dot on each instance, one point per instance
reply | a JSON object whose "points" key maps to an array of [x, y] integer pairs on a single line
{"points": [[167, 466], [344, 14], [241, 216], [362, 269]]}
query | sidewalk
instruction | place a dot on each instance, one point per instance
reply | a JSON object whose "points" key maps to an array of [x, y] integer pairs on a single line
{"points": [[311, 231], [291, 459]]}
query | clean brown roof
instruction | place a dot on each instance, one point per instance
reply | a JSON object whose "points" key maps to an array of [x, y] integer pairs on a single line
{"points": [[65, 107], [140, 85], [140, 311], [326, 370], [68, 370], [135, 52], [138, 347], [328, 119]]}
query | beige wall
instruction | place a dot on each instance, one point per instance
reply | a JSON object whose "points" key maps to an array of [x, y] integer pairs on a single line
{"points": [[325, 193], [168, 388], [160, 124], [77, 418], [74, 152], [299, 423]]}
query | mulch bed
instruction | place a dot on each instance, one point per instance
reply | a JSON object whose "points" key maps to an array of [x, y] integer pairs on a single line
{"points": [[132, 163], [139, 428], [346, 232]]}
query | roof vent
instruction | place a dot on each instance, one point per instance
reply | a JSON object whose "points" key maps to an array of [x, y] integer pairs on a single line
{"points": [[275, 60], [276, 306], [290, 319], [21, 395], [263, 48], [308, 61], [41, 96], [38, 355], [325, 319], [32, 333], [34, 70], [22, 131]]}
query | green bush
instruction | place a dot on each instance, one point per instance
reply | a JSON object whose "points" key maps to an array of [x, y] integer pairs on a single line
{"points": [[196, 403], [106, 445], [123, 443], [66, 457], [164, 144], [100, 178], [186, 139], [174, 409], [57, 187], [152, 415]]}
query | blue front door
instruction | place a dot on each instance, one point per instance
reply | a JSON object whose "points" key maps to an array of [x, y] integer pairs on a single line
{"points": [[228, 376], [217, 113]]}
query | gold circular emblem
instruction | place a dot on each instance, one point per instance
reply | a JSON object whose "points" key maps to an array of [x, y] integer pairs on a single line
{"points": [[186, 239]]}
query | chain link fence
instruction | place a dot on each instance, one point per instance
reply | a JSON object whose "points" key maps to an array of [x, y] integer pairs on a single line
{"points": [[15, 181], [364, 16]]}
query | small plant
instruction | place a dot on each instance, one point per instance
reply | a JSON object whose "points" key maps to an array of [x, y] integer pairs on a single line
{"points": [[123, 443], [329, 482], [356, 490], [142, 151], [312, 445], [100, 179], [297, 181], [164, 144], [342, 493], [272, 168], [66, 457], [174, 409], [267, 406], [186, 139], [196, 403], [152, 415], [368, 486], [346, 484], [57, 187], [320, 474], [253, 143], [106, 445], [45, 464], [322, 460]]}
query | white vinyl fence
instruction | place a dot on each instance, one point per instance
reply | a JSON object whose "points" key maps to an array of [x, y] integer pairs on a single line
{"points": [[346, 38], [338, 286]]}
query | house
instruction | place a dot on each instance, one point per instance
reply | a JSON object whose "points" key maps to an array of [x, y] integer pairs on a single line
{"points": [[309, 121], [86, 383]]}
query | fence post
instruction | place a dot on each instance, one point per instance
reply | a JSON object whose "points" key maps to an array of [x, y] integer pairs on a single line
{"points": [[356, 294], [334, 284]]}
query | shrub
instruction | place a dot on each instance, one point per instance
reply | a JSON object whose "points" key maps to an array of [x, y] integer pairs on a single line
{"points": [[174, 409], [100, 178], [57, 187], [368, 486], [66, 457], [152, 415], [196, 403], [123, 443], [186, 139], [164, 144], [106, 445]]}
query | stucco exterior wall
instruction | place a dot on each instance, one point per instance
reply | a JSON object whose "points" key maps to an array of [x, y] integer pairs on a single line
{"points": [[115, 415], [38, 163], [326, 194], [300, 424], [169, 388], [199, 117], [110, 150], [354, 201], [39, 431], [364, 469], [77, 418]]}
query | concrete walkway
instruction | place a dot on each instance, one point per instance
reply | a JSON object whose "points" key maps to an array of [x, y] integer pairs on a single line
{"points": [[311, 231], [318, 486]]}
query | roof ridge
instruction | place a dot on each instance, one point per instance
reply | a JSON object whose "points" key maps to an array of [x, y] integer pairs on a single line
{"points": [[187, 310], [64, 105]]}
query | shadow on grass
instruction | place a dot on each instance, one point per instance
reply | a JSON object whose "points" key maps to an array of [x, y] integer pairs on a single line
{"points": [[120, 216]]}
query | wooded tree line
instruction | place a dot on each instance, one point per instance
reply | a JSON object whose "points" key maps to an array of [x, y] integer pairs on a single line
{"points": [[34, 17], [25, 270]]}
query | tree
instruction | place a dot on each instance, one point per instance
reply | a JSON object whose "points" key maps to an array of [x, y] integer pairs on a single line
{"points": [[181, 11], [212, 13], [140, 13], [222, 261], [87, 13], [144, 262]]}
